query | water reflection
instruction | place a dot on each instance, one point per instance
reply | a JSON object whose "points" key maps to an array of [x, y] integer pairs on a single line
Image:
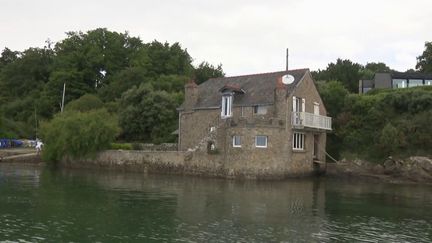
{"points": [[73, 205]]}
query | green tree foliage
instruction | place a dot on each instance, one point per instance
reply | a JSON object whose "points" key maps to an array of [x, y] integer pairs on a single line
{"points": [[98, 62], [8, 56], [85, 61], [389, 140], [85, 103], [344, 71], [349, 73], [148, 115], [78, 134], [205, 71], [333, 94], [368, 123], [25, 75], [377, 67], [424, 61]]}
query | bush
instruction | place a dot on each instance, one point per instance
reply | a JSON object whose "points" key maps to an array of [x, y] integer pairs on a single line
{"points": [[121, 146], [85, 103], [78, 135], [383, 123]]}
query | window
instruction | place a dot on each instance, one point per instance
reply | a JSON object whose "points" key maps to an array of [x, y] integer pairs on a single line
{"points": [[243, 111], [261, 141], [428, 82], [298, 141], [260, 110], [365, 90], [299, 104], [415, 82], [399, 83], [236, 141], [226, 105]]}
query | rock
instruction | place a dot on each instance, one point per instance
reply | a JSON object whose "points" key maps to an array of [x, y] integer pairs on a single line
{"points": [[378, 169], [390, 166], [422, 162]]}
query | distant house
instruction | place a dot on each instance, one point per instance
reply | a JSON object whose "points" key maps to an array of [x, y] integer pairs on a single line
{"points": [[395, 80], [258, 124]]}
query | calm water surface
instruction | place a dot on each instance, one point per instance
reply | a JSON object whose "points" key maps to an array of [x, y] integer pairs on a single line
{"points": [[40, 205]]}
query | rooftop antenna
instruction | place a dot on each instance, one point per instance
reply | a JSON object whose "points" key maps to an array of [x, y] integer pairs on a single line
{"points": [[287, 55]]}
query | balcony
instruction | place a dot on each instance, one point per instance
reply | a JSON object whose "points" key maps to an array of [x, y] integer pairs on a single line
{"points": [[303, 120]]}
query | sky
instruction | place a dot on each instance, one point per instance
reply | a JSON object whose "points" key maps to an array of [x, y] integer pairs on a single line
{"points": [[245, 36]]}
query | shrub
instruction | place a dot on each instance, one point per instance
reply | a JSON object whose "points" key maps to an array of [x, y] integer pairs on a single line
{"points": [[121, 146], [77, 134], [85, 103]]}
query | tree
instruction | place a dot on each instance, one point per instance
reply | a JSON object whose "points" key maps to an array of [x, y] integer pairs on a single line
{"points": [[333, 94], [378, 67], [26, 74], [148, 115], [424, 61], [8, 56], [85, 103], [78, 134], [345, 71], [92, 57], [205, 71]]}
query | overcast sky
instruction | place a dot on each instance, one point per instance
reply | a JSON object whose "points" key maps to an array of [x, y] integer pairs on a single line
{"points": [[246, 36]]}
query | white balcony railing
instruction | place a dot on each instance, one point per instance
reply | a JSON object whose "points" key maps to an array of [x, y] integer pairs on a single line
{"points": [[305, 119]]}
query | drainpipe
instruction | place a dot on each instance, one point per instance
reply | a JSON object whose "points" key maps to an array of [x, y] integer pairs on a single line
{"points": [[179, 137]]}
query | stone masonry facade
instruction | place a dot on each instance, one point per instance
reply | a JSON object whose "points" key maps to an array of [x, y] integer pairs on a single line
{"points": [[206, 137]]}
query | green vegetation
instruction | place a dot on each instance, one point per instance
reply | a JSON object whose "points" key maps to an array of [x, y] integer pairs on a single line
{"points": [[101, 69], [424, 61], [78, 134], [380, 124], [349, 73], [121, 146], [114, 78]]}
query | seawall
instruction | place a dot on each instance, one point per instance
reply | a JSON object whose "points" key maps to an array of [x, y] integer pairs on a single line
{"points": [[175, 162]]}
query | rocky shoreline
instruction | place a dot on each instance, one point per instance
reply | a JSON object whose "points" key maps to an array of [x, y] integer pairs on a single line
{"points": [[415, 169]]}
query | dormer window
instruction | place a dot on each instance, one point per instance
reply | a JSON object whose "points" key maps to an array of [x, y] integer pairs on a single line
{"points": [[228, 91], [227, 100]]}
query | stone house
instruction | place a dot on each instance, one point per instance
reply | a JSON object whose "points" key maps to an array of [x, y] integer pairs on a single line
{"points": [[260, 125]]}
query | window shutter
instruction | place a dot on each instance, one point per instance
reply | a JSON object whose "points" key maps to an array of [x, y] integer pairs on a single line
{"points": [[303, 105], [294, 104]]}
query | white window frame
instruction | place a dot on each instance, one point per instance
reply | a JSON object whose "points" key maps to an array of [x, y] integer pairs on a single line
{"points": [[298, 141], [234, 141], [226, 109], [242, 109], [299, 104], [261, 146]]}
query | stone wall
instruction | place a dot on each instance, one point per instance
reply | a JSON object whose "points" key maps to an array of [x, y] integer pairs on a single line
{"points": [[278, 159], [132, 160], [198, 163]]}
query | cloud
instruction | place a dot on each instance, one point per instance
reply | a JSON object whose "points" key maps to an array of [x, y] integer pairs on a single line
{"points": [[245, 36]]}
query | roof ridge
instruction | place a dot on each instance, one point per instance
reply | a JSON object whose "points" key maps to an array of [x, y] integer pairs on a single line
{"points": [[256, 74]]}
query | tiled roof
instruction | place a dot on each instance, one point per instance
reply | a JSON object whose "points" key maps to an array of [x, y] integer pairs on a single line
{"points": [[258, 88]]}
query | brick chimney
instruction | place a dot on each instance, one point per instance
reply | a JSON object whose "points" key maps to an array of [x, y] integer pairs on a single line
{"points": [[280, 106], [191, 95]]}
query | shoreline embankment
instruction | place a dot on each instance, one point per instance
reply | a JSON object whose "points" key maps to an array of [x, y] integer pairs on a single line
{"points": [[414, 169]]}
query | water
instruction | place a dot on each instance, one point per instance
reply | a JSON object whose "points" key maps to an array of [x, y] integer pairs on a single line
{"points": [[40, 205]]}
